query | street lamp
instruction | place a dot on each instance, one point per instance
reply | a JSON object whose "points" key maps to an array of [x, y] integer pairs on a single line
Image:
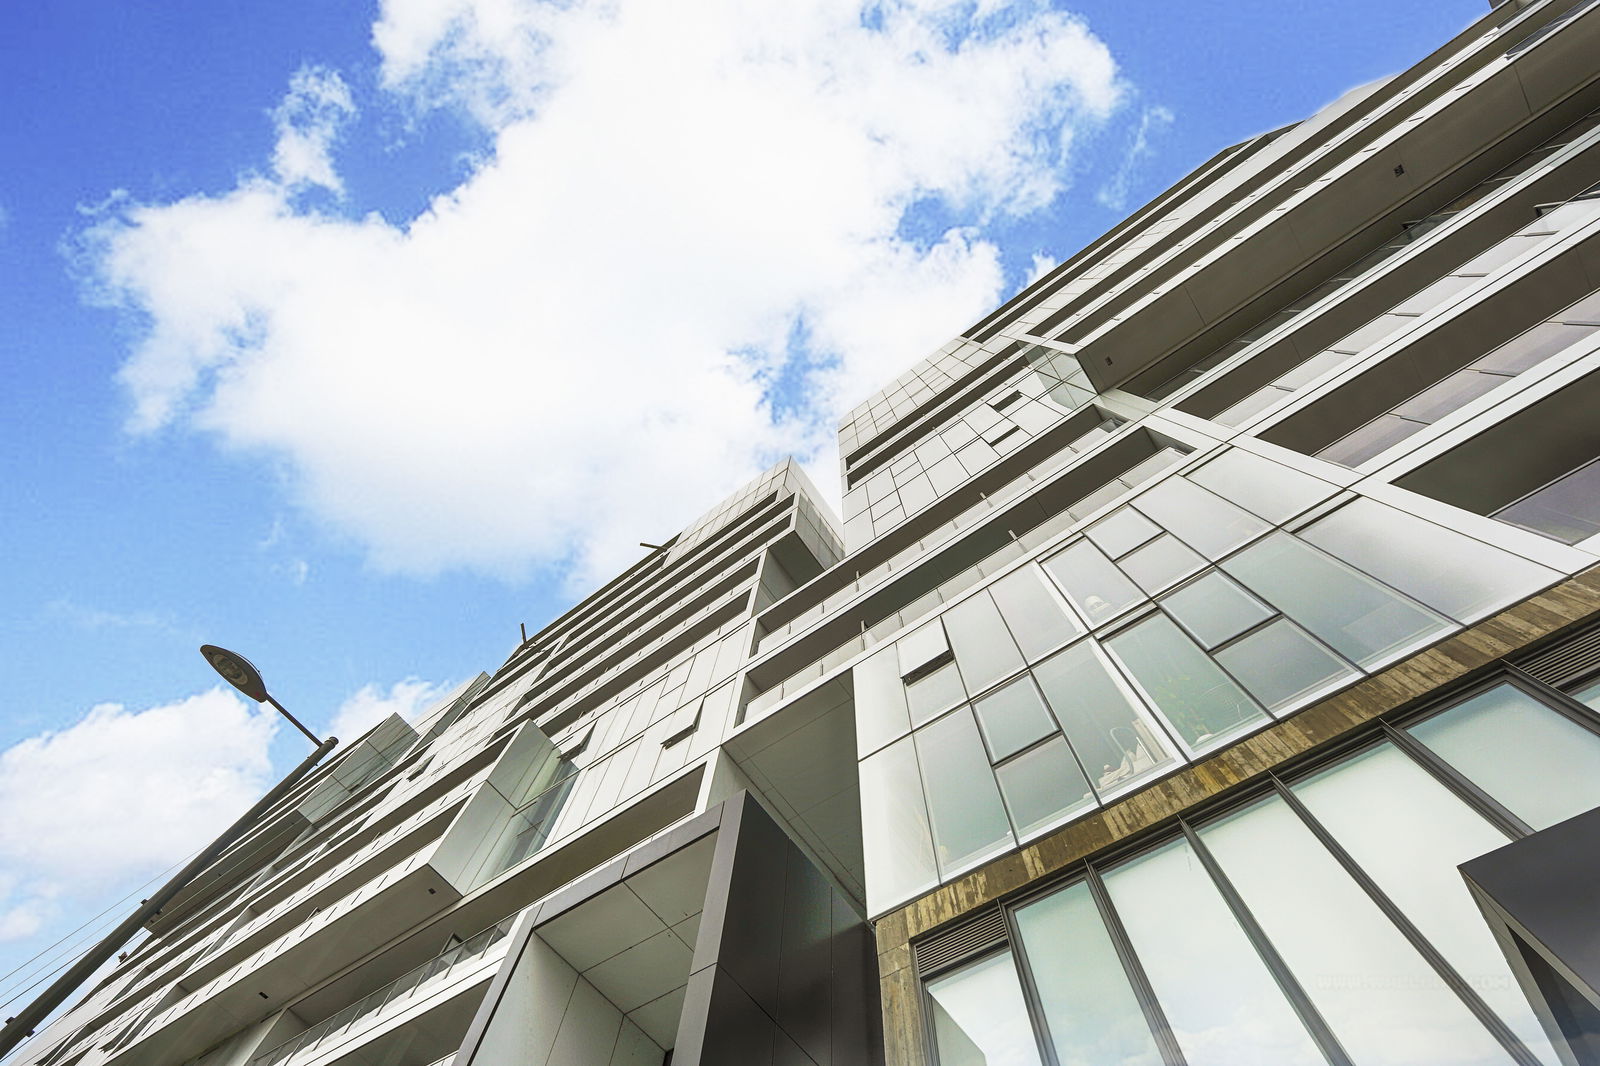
{"points": [[238, 672]]}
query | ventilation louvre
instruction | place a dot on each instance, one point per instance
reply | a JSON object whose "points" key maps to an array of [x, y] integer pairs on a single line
{"points": [[1570, 660], [970, 938]]}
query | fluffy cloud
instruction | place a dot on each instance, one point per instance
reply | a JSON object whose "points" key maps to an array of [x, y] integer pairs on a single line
{"points": [[120, 795], [680, 258], [371, 705]]}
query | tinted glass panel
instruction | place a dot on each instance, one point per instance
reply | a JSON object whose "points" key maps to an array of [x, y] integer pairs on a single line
{"points": [[979, 1018], [1161, 563], [1214, 609], [1198, 698], [1542, 766], [1122, 531], [1042, 785], [1271, 490], [930, 696], [1037, 621], [1223, 1005], [969, 822], [1385, 1004], [1115, 742], [1280, 665], [1012, 717], [1206, 522], [982, 644], [1088, 1005], [894, 827], [1092, 583], [1358, 617], [881, 714]]}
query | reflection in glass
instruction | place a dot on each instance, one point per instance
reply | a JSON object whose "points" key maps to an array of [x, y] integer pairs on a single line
{"points": [[1281, 666], [881, 714], [979, 1018], [1092, 583], [1036, 620], [930, 696], [1012, 717], [1384, 1003], [1088, 1004], [1041, 785], [1539, 764], [1448, 571], [1200, 701], [1115, 742], [983, 646], [1222, 1003], [1360, 619], [1207, 523], [895, 833], [1121, 531], [1214, 609], [969, 821], [1411, 845], [1161, 563]]}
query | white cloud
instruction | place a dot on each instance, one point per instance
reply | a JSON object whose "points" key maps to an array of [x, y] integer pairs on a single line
{"points": [[1042, 264], [308, 121], [122, 794], [575, 348], [371, 705], [1153, 121]]}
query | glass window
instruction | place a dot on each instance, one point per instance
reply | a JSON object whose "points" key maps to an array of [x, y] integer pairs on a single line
{"points": [[1448, 571], [1206, 522], [1012, 717], [1088, 1005], [1385, 1004], [969, 822], [983, 646], [1043, 785], [1532, 347], [921, 646], [1121, 531], [1567, 509], [1116, 743], [1281, 666], [1222, 1003], [1214, 609], [1161, 563], [1359, 618], [979, 1016], [1448, 394], [1092, 583], [1541, 765], [1037, 621], [930, 696], [1271, 490], [1589, 694], [1411, 844], [1202, 703], [894, 827], [881, 714], [1377, 436]]}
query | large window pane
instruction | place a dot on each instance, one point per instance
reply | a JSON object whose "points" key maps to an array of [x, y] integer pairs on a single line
{"points": [[1200, 701], [881, 714], [1092, 583], [1214, 609], [1089, 1007], [1206, 522], [1012, 717], [1121, 531], [1271, 490], [979, 1017], [1036, 619], [969, 822], [1542, 766], [1567, 509], [1222, 1003], [1411, 844], [1116, 743], [1281, 666], [1385, 1004], [895, 834], [983, 646], [1161, 563], [1446, 570], [1042, 785], [1359, 618], [932, 695]]}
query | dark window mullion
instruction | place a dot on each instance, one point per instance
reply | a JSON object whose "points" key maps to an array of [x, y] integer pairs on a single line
{"points": [[1316, 1025], [1143, 991], [1448, 973], [1451, 778], [1030, 991]]}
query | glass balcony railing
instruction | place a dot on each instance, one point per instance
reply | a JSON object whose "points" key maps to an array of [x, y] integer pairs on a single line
{"points": [[394, 997]]}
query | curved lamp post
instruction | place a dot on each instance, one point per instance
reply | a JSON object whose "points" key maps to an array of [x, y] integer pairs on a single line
{"points": [[238, 672]]}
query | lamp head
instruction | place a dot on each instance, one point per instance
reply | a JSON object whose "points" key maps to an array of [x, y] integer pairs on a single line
{"points": [[236, 670]]}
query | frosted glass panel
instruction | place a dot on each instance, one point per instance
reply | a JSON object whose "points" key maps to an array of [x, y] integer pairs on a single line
{"points": [[1042, 786], [1271, 490], [881, 714], [1282, 667], [895, 834], [1542, 766], [1037, 620], [982, 644], [1092, 583]]}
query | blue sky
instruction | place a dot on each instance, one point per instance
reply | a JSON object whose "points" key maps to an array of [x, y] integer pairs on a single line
{"points": [[352, 335]]}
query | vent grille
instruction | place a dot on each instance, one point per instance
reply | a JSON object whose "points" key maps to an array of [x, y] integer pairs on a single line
{"points": [[966, 940], [1569, 661]]}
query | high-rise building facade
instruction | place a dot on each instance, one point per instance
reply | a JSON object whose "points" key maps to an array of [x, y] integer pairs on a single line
{"points": [[1205, 671]]}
